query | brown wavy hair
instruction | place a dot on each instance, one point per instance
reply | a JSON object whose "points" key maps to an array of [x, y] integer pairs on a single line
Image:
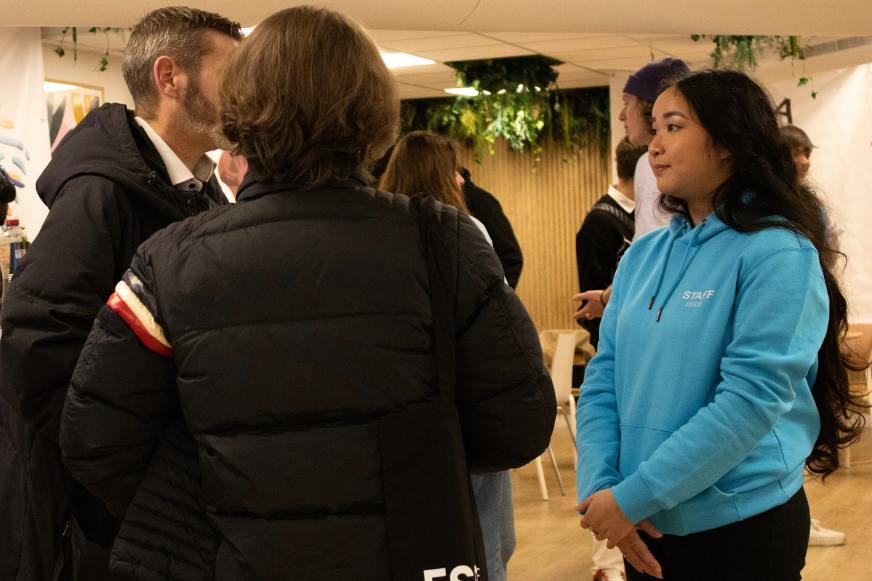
{"points": [[307, 98], [424, 163]]}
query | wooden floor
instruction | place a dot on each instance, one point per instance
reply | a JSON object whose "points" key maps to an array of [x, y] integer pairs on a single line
{"points": [[552, 547]]}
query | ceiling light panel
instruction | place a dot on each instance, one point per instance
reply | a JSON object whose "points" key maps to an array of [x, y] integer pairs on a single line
{"points": [[398, 60]]}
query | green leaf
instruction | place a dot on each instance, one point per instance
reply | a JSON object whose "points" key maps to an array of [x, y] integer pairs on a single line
{"points": [[814, 94], [695, 37], [59, 50], [802, 82]]}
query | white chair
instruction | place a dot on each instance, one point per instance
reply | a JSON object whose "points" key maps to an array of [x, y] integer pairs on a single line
{"points": [[561, 377], [543, 488]]}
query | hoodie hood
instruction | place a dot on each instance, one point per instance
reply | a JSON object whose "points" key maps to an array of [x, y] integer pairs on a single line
{"points": [[103, 145], [689, 239], [682, 229]]}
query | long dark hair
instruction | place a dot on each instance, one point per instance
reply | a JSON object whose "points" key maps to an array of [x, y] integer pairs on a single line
{"points": [[763, 192]]}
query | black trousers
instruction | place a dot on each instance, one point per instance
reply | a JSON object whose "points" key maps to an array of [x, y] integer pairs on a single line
{"points": [[768, 547]]}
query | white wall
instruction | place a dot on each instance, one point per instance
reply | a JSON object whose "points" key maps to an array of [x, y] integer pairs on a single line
{"points": [[24, 126], [86, 71], [839, 123]]}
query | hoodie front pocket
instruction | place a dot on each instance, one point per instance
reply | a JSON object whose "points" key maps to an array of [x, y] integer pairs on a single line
{"points": [[764, 465]]}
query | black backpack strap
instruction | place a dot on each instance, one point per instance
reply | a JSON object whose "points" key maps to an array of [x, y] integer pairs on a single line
{"points": [[441, 251], [622, 216], [430, 513]]}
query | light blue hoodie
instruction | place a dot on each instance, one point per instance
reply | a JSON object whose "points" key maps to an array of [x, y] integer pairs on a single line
{"points": [[697, 410]]}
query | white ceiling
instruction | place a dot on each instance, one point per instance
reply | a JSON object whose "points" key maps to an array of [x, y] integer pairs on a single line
{"points": [[588, 58], [805, 17], [592, 37]]}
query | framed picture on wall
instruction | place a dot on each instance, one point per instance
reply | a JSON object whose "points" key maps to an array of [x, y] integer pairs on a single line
{"points": [[68, 103]]}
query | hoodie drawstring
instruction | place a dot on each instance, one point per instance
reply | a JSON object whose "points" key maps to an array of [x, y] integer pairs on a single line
{"points": [[662, 272], [685, 265]]}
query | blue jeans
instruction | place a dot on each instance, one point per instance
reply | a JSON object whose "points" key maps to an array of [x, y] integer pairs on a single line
{"points": [[496, 513]]}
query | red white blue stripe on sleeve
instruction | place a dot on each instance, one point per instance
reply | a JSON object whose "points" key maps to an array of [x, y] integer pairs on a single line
{"points": [[128, 306]]}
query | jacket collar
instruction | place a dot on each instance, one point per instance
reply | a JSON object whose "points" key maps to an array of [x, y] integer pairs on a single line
{"points": [[253, 186]]}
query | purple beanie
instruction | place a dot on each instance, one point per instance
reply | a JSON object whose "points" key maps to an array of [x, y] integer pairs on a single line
{"points": [[646, 82]]}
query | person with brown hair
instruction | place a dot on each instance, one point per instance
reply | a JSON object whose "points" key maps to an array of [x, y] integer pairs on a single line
{"points": [[423, 163], [607, 230], [342, 356], [113, 181], [640, 92], [800, 149]]}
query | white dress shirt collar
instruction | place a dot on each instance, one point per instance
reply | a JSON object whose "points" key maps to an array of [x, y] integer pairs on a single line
{"points": [[623, 201], [181, 177]]}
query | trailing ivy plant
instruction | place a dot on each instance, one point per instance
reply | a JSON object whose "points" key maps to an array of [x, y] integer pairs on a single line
{"points": [[74, 33], [517, 100], [741, 52]]}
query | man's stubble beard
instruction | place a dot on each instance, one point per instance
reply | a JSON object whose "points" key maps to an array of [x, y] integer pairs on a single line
{"points": [[201, 117]]}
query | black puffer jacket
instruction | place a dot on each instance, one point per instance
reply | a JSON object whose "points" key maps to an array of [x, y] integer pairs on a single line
{"points": [[107, 192], [301, 330]]}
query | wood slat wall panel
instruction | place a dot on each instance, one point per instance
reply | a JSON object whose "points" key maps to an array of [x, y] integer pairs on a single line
{"points": [[546, 208]]}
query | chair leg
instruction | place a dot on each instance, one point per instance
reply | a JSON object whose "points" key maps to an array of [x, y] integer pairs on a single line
{"points": [[556, 471], [572, 415], [571, 436], [543, 488]]}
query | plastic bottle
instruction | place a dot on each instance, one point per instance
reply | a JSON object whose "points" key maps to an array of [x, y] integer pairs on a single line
{"points": [[13, 247]]}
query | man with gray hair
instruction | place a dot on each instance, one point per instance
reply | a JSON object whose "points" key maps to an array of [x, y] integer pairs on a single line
{"points": [[116, 179]]}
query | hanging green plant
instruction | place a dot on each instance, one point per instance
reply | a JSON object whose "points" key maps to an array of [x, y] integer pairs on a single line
{"points": [[582, 115], [512, 100], [515, 99], [103, 63], [742, 52]]}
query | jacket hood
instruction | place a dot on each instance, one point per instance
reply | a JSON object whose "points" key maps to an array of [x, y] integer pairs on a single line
{"points": [[102, 144]]}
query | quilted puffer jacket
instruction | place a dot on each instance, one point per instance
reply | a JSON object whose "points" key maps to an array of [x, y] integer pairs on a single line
{"points": [[296, 333]]}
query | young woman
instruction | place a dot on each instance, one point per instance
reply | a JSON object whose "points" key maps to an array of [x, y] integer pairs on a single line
{"points": [[719, 376], [300, 334], [800, 148], [426, 163]]}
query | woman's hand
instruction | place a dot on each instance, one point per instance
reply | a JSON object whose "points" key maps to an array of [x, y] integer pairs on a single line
{"points": [[602, 515], [637, 552]]}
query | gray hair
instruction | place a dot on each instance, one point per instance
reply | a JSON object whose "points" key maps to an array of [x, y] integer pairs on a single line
{"points": [[176, 32]]}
